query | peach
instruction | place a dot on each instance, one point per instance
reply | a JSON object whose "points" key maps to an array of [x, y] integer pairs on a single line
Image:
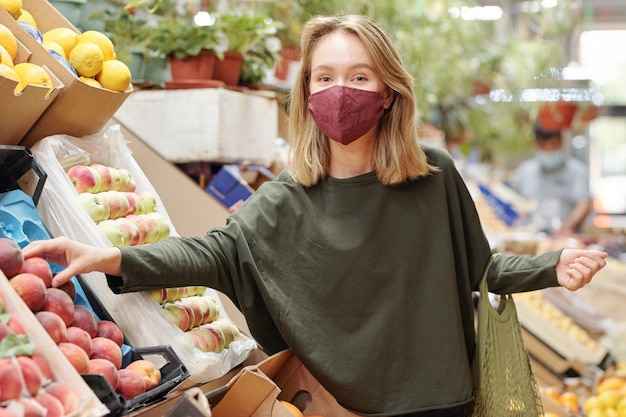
{"points": [[31, 289], [81, 338], [130, 384], [31, 373], [10, 380], [53, 325], [105, 368], [70, 288], [110, 330], [148, 371], [42, 361], [107, 349], [84, 318], [5, 330], [53, 406], [11, 257], [65, 394], [6, 413], [59, 302], [40, 267], [76, 355], [16, 325], [31, 408]]}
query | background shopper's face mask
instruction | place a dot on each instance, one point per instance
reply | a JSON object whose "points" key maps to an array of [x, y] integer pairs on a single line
{"points": [[550, 161], [345, 114]]}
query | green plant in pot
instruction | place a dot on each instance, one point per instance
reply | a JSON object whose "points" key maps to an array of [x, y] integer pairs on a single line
{"points": [[188, 46], [249, 37]]}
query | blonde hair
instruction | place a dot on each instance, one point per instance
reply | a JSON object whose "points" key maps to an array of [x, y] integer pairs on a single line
{"points": [[397, 154]]}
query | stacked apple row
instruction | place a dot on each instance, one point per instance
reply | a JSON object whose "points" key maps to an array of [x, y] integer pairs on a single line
{"points": [[126, 216], [198, 316], [92, 346]]}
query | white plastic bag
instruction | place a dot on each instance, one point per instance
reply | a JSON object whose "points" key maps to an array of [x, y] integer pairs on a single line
{"points": [[141, 319]]}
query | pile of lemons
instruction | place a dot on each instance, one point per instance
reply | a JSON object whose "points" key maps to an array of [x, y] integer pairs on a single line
{"points": [[91, 53], [24, 73]]}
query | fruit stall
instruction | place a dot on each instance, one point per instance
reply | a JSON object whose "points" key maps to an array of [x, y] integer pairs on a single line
{"points": [[87, 155]]}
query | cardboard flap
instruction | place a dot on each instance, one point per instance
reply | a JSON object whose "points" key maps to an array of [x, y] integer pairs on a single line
{"points": [[248, 394]]}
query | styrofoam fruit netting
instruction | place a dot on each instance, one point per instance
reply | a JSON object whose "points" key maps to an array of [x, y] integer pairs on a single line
{"points": [[141, 319]]}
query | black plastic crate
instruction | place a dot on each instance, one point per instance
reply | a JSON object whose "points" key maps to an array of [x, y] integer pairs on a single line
{"points": [[19, 170], [173, 372]]}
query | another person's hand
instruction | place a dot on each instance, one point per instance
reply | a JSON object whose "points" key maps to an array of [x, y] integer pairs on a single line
{"points": [[76, 257], [576, 267]]}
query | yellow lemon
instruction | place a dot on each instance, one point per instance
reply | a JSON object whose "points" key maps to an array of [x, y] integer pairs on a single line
{"points": [[27, 17], [5, 58], [14, 7], [292, 408], [31, 74], [115, 75], [8, 72], [65, 37], [100, 39], [609, 398], [49, 45], [91, 81], [8, 40], [86, 58]]}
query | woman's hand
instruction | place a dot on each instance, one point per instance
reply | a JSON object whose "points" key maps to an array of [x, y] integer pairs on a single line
{"points": [[576, 267], [76, 257]]}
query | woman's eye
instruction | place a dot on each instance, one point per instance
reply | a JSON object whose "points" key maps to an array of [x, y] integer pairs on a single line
{"points": [[324, 79]]}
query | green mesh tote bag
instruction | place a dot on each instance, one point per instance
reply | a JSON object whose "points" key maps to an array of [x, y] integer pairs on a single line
{"points": [[504, 384]]}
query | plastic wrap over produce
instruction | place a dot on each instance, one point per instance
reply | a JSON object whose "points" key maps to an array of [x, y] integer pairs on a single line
{"points": [[141, 318]]}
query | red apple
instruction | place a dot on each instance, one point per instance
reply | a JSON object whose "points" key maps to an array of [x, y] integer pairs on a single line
{"points": [[40, 267], [141, 226], [110, 330], [228, 329], [218, 336], [113, 232], [104, 172], [191, 314], [80, 337], [133, 202], [76, 355], [64, 393], [130, 231], [148, 371], [105, 368], [84, 179], [116, 178], [212, 342], [154, 232], [159, 295], [11, 258], [178, 315], [107, 349], [147, 202], [116, 201], [69, 288], [130, 384], [42, 361], [53, 324], [84, 318], [164, 226], [31, 289], [198, 339], [10, 380], [31, 373], [95, 206], [127, 182], [59, 302], [52, 404]]}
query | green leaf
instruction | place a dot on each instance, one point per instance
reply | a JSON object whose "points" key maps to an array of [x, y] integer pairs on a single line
{"points": [[16, 345]]}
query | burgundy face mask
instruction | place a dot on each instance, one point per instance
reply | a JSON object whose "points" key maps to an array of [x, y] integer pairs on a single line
{"points": [[345, 114]]}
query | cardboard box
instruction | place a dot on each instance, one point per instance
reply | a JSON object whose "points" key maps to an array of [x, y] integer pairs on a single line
{"points": [[204, 124], [19, 112], [79, 109], [257, 390]]}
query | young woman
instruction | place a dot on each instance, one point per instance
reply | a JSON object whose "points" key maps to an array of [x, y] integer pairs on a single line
{"points": [[363, 255]]}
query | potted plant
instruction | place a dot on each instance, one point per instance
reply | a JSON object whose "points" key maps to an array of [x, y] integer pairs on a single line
{"points": [[243, 33]]}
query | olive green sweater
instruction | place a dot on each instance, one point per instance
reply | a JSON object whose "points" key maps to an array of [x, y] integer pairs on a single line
{"points": [[370, 286]]}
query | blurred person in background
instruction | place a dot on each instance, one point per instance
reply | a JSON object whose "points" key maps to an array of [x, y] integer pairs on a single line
{"points": [[557, 182]]}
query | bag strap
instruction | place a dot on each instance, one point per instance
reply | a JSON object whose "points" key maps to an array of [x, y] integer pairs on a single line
{"points": [[483, 281]]}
